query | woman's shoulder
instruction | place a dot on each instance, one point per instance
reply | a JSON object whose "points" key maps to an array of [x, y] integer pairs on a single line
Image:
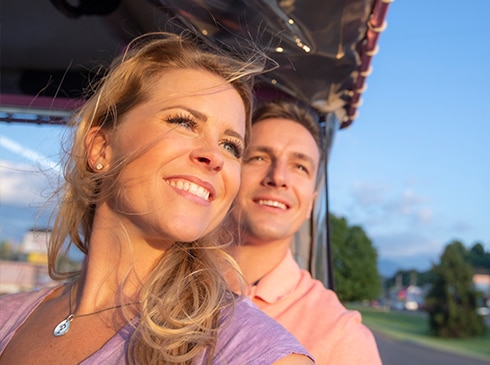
{"points": [[248, 335], [24, 297], [15, 307]]}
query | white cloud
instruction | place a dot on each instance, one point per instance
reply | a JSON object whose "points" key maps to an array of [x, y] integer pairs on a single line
{"points": [[399, 221], [382, 208], [424, 215], [28, 154], [23, 184], [366, 194], [400, 244]]}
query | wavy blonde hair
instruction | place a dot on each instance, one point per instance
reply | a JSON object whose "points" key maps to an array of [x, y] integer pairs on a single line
{"points": [[186, 291]]}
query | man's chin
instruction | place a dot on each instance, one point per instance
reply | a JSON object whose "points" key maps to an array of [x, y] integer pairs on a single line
{"points": [[266, 233]]}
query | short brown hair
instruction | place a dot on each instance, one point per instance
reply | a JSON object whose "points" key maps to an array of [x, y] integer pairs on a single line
{"points": [[294, 111]]}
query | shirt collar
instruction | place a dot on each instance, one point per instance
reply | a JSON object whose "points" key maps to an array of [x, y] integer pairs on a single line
{"points": [[279, 282]]}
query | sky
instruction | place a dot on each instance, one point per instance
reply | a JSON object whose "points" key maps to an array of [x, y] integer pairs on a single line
{"points": [[411, 169], [414, 168]]}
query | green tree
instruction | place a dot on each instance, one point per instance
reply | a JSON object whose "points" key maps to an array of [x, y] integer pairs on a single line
{"points": [[451, 302], [354, 262], [7, 251], [479, 258], [410, 277]]}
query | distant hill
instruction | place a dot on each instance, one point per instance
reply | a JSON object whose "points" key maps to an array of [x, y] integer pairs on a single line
{"points": [[388, 268]]}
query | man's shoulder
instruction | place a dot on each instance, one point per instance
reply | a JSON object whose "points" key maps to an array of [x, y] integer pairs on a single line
{"points": [[310, 286], [316, 316]]}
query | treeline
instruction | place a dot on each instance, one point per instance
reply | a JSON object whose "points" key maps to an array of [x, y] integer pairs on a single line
{"points": [[452, 299], [476, 257], [354, 260]]}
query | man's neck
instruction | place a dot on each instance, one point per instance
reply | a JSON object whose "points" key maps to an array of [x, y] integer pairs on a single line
{"points": [[258, 259]]}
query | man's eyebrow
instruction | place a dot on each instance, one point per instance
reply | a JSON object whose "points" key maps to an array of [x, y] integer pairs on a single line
{"points": [[296, 155], [264, 149], [304, 157]]}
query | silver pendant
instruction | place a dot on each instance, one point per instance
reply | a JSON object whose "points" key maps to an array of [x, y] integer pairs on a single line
{"points": [[63, 327]]}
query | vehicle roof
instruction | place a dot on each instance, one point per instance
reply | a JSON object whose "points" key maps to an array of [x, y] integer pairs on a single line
{"points": [[323, 48]]}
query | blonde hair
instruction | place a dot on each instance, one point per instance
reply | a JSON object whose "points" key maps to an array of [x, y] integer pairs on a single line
{"points": [[186, 291]]}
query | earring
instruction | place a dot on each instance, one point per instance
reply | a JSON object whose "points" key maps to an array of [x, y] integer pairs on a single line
{"points": [[99, 167]]}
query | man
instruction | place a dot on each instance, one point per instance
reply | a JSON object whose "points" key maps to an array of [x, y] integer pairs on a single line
{"points": [[277, 192]]}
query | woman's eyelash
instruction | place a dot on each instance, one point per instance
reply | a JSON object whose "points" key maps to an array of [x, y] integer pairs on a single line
{"points": [[235, 147], [183, 120]]}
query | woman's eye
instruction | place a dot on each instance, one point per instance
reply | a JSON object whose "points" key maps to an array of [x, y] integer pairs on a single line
{"points": [[183, 121], [234, 148]]}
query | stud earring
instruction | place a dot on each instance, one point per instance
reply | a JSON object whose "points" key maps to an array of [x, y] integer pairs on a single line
{"points": [[99, 167]]}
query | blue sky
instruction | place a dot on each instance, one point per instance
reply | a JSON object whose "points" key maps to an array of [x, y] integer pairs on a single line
{"points": [[412, 169]]}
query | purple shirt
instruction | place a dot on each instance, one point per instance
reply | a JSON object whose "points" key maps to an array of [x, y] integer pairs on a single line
{"points": [[251, 337]]}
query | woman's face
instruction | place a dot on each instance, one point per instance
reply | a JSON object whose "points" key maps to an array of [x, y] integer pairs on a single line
{"points": [[188, 138]]}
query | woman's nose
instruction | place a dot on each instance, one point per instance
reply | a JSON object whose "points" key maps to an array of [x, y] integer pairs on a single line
{"points": [[209, 156]]}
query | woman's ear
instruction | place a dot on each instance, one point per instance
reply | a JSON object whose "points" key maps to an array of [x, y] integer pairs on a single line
{"points": [[98, 150]]}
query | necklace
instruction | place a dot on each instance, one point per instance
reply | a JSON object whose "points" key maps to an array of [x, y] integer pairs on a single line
{"points": [[64, 326]]}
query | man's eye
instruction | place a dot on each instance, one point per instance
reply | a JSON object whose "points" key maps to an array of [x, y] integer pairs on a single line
{"points": [[233, 147], [255, 158], [302, 168], [183, 121]]}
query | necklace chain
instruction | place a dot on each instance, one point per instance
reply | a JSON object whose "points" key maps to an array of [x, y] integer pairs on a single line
{"points": [[63, 327], [97, 311]]}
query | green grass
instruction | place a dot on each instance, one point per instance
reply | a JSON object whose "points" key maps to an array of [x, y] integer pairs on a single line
{"points": [[414, 327]]}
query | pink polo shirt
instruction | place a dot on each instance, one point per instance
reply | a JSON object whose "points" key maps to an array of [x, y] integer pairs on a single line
{"points": [[314, 314]]}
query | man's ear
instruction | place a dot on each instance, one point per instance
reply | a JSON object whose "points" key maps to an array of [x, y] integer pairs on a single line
{"points": [[98, 149], [313, 199]]}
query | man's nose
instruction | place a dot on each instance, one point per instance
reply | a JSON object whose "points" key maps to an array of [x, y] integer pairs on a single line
{"points": [[276, 175]]}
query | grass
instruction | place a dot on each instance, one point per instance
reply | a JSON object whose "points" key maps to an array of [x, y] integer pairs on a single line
{"points": [[413, 327]]}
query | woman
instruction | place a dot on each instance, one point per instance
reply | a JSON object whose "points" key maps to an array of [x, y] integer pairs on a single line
{"points": [[153, 169]]}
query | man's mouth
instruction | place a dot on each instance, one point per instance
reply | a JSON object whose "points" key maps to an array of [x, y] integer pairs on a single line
{"points": [[190, 187], [272, 203]]}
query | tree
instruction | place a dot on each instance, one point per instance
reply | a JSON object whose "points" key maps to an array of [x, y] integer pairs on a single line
{"points": [[410, 277], [354, 262], [7, 251], [451, 302], [479, 258]]}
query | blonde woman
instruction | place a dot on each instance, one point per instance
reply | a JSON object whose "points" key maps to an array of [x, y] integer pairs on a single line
{"points": [[151, 174]]}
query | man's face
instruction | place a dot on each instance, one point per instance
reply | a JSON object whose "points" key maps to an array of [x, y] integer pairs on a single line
{"points": [[278, 180]]}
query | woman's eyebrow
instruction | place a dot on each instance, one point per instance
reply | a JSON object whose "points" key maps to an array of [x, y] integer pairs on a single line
{"points": [[202, 117], [195, 113], [233, 133]]}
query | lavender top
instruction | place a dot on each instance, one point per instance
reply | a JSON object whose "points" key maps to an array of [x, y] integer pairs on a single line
{"points": [[251, 337]]}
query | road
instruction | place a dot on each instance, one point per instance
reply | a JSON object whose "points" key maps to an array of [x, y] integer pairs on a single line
{"points": [[395, 352]]}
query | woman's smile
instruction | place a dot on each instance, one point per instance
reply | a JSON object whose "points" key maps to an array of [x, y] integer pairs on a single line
{"points": [[183, 185]]}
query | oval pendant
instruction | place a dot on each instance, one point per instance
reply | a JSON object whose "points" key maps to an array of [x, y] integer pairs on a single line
{"points": [[63, 327]]}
